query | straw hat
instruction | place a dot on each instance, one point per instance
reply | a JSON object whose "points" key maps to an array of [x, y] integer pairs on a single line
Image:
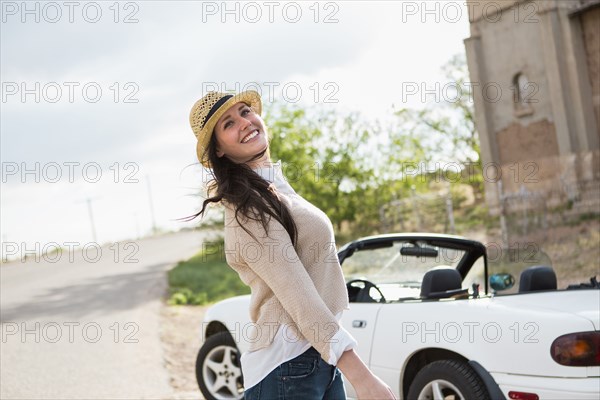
{"points": [[207, 111]]}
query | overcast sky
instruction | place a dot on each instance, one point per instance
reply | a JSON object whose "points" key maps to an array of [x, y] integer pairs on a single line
{"points": [[96, 97]]}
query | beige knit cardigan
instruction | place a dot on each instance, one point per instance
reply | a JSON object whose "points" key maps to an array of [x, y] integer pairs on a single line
{"points": [[300, 285]]}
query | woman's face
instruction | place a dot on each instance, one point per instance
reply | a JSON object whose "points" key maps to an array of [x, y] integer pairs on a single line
{"points": [[240, 134]]}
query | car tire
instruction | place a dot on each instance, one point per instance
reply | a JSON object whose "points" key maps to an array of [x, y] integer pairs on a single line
{"points": [[218, 370], [446, 378]]}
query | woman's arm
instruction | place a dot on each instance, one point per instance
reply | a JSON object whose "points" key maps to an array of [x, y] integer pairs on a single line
{"points": [[367, 385]]}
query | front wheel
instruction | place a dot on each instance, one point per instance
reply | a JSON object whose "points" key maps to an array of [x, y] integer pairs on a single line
{"points": [[447, 380], [218, 370]]}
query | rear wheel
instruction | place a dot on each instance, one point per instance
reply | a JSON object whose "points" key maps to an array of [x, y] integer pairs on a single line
{"points": [[447, 380], [218, 370]]}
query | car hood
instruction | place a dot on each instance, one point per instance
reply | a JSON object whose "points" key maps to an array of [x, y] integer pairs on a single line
{"points": [[584, 303]]}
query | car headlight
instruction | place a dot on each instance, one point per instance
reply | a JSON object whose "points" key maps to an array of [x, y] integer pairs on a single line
{"points": [[580, 349]]}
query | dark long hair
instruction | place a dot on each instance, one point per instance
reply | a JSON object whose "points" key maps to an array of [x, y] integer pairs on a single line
{"points": [[251, 195]]}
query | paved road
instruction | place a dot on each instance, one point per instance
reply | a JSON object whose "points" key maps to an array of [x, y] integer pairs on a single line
{"points": [[84, 329]]}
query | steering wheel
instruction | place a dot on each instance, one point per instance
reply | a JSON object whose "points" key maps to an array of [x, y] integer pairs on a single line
{"points": [[361, 294]]}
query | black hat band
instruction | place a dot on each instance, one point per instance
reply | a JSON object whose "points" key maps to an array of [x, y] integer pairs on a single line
{"points": [[214, 108]]}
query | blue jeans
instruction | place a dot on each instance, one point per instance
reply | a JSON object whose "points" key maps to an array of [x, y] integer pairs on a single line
{"points": [[306, 377]]}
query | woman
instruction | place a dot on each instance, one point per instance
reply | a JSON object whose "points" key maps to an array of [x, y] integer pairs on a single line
{"points": [[283, 248]]}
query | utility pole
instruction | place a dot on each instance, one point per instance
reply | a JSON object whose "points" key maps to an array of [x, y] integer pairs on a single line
{"points": [[91, 213], [151, 204], [137, 226], [88, 200]]}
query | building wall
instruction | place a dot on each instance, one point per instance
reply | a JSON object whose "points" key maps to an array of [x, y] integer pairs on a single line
{"points": [[555, 45], [590, 21]]}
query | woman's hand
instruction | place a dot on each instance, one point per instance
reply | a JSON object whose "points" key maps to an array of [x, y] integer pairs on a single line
{"points": [[373, 388], [367, 385]]}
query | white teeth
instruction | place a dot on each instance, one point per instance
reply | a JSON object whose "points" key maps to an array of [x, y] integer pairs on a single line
{"points": [[250, 136]]}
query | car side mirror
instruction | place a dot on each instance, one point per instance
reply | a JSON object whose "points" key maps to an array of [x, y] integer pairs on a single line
{"points": [[500, 282]]}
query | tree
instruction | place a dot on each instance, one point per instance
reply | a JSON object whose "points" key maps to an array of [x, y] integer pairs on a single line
{"points": [[447, 131], [320, 154], [350, 167]]}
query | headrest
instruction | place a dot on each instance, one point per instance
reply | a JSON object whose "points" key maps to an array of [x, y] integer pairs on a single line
{"points": [[440, 280], [539, 277]]}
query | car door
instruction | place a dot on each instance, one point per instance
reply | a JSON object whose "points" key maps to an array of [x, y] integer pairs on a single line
{"points": [[360, 322]]}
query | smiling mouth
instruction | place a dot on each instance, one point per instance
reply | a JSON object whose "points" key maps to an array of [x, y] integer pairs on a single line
{"points": [[250, 136]]}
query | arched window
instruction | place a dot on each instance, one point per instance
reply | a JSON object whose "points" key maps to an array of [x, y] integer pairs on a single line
{"points": [[523, 94]]}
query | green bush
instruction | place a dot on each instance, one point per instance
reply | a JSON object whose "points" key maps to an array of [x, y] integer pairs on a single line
{"points": [[205, 278]]}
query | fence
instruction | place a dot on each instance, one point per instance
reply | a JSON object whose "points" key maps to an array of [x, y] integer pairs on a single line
{"points": [[419, 213], [522, 213], [526, 212], [563, 222]]}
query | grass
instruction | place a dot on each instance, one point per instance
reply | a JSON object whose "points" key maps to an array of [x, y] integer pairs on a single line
{"points": [[203, 279]]}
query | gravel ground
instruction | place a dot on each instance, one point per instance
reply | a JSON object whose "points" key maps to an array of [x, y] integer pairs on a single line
{"points": [[180, 335]]}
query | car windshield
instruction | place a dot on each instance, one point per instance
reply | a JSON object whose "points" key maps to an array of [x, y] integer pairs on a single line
{"points": [[398, 274]]}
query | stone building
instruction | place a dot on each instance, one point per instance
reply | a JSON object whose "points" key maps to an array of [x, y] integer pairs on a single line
{"points": [[537, 103]]}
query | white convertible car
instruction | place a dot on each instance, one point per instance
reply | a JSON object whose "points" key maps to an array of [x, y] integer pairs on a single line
{"points": [[437, 318]]}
